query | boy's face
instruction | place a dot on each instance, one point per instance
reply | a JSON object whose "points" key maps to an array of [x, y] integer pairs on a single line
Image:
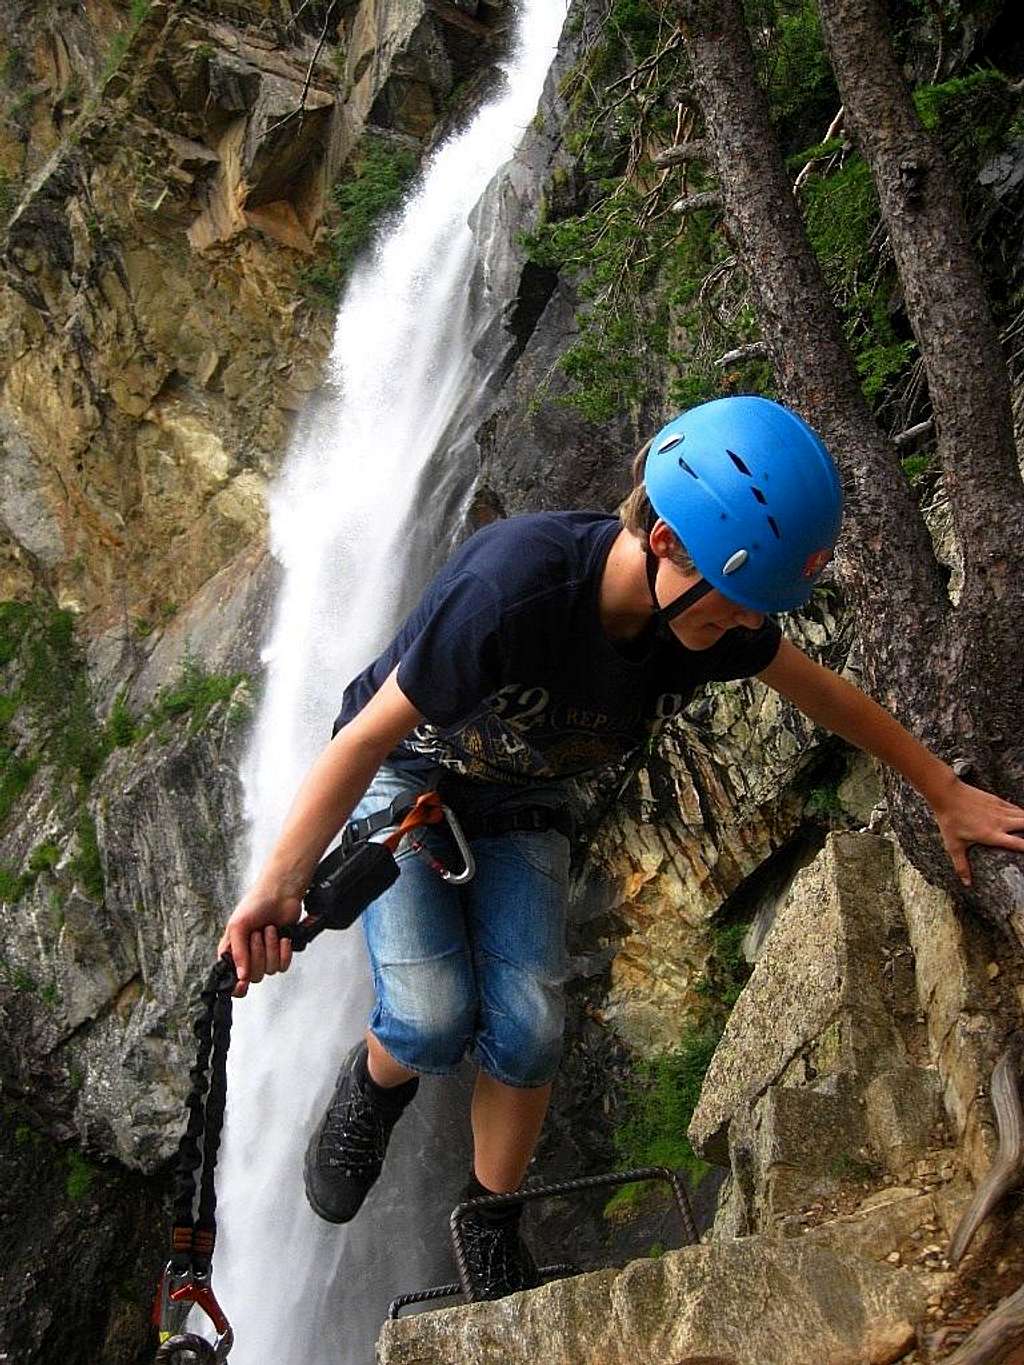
{"points": [[707, 620]]}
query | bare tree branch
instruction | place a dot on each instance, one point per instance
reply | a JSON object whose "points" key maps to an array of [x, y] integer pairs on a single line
{"points": [[753, 350], [830, 132], [710, 199], [908, 437], [300, 109], [687, 151]]}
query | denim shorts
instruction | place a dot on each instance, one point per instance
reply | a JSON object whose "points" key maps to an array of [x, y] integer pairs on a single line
{"points": [[474, 969]]}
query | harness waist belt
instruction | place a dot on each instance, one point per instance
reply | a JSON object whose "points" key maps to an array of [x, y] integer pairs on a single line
{"points": [[531, 819]]}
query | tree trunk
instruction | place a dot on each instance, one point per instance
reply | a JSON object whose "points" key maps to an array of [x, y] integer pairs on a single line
{"points": [[886, 561], [967, 374]]}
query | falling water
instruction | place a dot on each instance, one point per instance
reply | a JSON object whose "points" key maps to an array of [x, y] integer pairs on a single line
{"points": [[363, 508]]}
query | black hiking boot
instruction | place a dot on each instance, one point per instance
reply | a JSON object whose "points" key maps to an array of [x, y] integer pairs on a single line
{"points": [[498, 1260], [346, 1151]]}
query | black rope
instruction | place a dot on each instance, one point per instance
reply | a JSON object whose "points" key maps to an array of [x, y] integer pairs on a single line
{"points": [[205, 1104]]}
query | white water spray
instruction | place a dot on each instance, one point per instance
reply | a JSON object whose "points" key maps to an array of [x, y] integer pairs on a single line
{"points": [[355, 523]]}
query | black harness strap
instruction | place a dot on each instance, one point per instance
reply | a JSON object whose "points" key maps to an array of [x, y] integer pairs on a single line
{"points": [[526, 819]]}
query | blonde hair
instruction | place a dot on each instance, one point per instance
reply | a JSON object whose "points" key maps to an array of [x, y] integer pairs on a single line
{"points": [[638, 516]]}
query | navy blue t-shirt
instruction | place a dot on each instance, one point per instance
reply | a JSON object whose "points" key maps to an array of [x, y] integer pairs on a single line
{"points": [[506, 658]]}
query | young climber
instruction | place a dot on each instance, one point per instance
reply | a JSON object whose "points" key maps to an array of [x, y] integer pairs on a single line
{"points": [[551, 645]]}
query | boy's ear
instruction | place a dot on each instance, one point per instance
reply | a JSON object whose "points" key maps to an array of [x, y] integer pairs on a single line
{"points": [[662, 539]]}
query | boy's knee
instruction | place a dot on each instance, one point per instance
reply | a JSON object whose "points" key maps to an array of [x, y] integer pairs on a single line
{"points": [[425, 1013], [522, 1045]]}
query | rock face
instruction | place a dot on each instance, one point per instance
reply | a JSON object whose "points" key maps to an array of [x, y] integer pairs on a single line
{"points": [[746, 1303], [158, 336], [836, 1057]]}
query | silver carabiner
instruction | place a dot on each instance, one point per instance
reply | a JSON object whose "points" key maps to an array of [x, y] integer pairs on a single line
{"points": [[462, 844], [445, 873]]}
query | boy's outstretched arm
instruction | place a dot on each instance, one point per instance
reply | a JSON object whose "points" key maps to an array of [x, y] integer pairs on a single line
{"points": [[328, 794], [965, 815]]}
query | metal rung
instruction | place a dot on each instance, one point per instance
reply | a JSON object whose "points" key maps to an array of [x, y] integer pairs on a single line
{"points": [[450, 1291], [491, 1201]]}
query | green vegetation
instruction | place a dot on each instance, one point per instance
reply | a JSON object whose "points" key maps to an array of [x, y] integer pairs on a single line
{"points": [[47, 714], [88, 866], [379, 178], [80, 1177], [12, 886], [659, 1105], [194, 694], [916, 467], [660, 292], [823, 802], [123, 41], [659, 1108]]}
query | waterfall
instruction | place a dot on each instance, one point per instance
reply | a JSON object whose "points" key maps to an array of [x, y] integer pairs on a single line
{"points": [[363, 509]]}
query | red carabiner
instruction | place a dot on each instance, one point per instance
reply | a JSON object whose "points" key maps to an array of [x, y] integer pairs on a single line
{"points": [[180, 1291]]}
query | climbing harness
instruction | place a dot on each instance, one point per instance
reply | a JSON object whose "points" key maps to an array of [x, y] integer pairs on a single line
{"points": [[465, 1285], [346, 881]]}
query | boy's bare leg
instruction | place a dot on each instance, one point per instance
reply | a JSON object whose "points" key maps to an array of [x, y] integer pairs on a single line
{"points": [[383, 1068], [507, 1120]]}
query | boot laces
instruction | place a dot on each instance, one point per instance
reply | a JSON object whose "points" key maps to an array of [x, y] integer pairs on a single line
{"points": [[498, 1261], [355, 1135]]}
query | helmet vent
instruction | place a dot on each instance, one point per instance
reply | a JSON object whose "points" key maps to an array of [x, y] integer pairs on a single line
{"points": [[670, 444], [759, 495], [774, 525], [684, 465], [739, 463]]}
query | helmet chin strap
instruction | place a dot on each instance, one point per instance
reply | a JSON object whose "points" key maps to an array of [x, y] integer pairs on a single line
{"points": [[663, 615]]}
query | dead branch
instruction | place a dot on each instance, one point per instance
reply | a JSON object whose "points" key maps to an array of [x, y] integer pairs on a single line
{"points": [[300, 109], [753, 350], [1006, 1170], [675, 156], [693, 203], [830, 132], [908, 437], [648, 63], [995, 1335]]}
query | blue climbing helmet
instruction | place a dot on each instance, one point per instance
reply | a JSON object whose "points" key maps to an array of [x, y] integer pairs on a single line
{"points": [[754, 496]]}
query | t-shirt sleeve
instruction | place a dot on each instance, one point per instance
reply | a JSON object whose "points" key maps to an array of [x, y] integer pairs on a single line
{"points": [[454, 659], [742, 653]]}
